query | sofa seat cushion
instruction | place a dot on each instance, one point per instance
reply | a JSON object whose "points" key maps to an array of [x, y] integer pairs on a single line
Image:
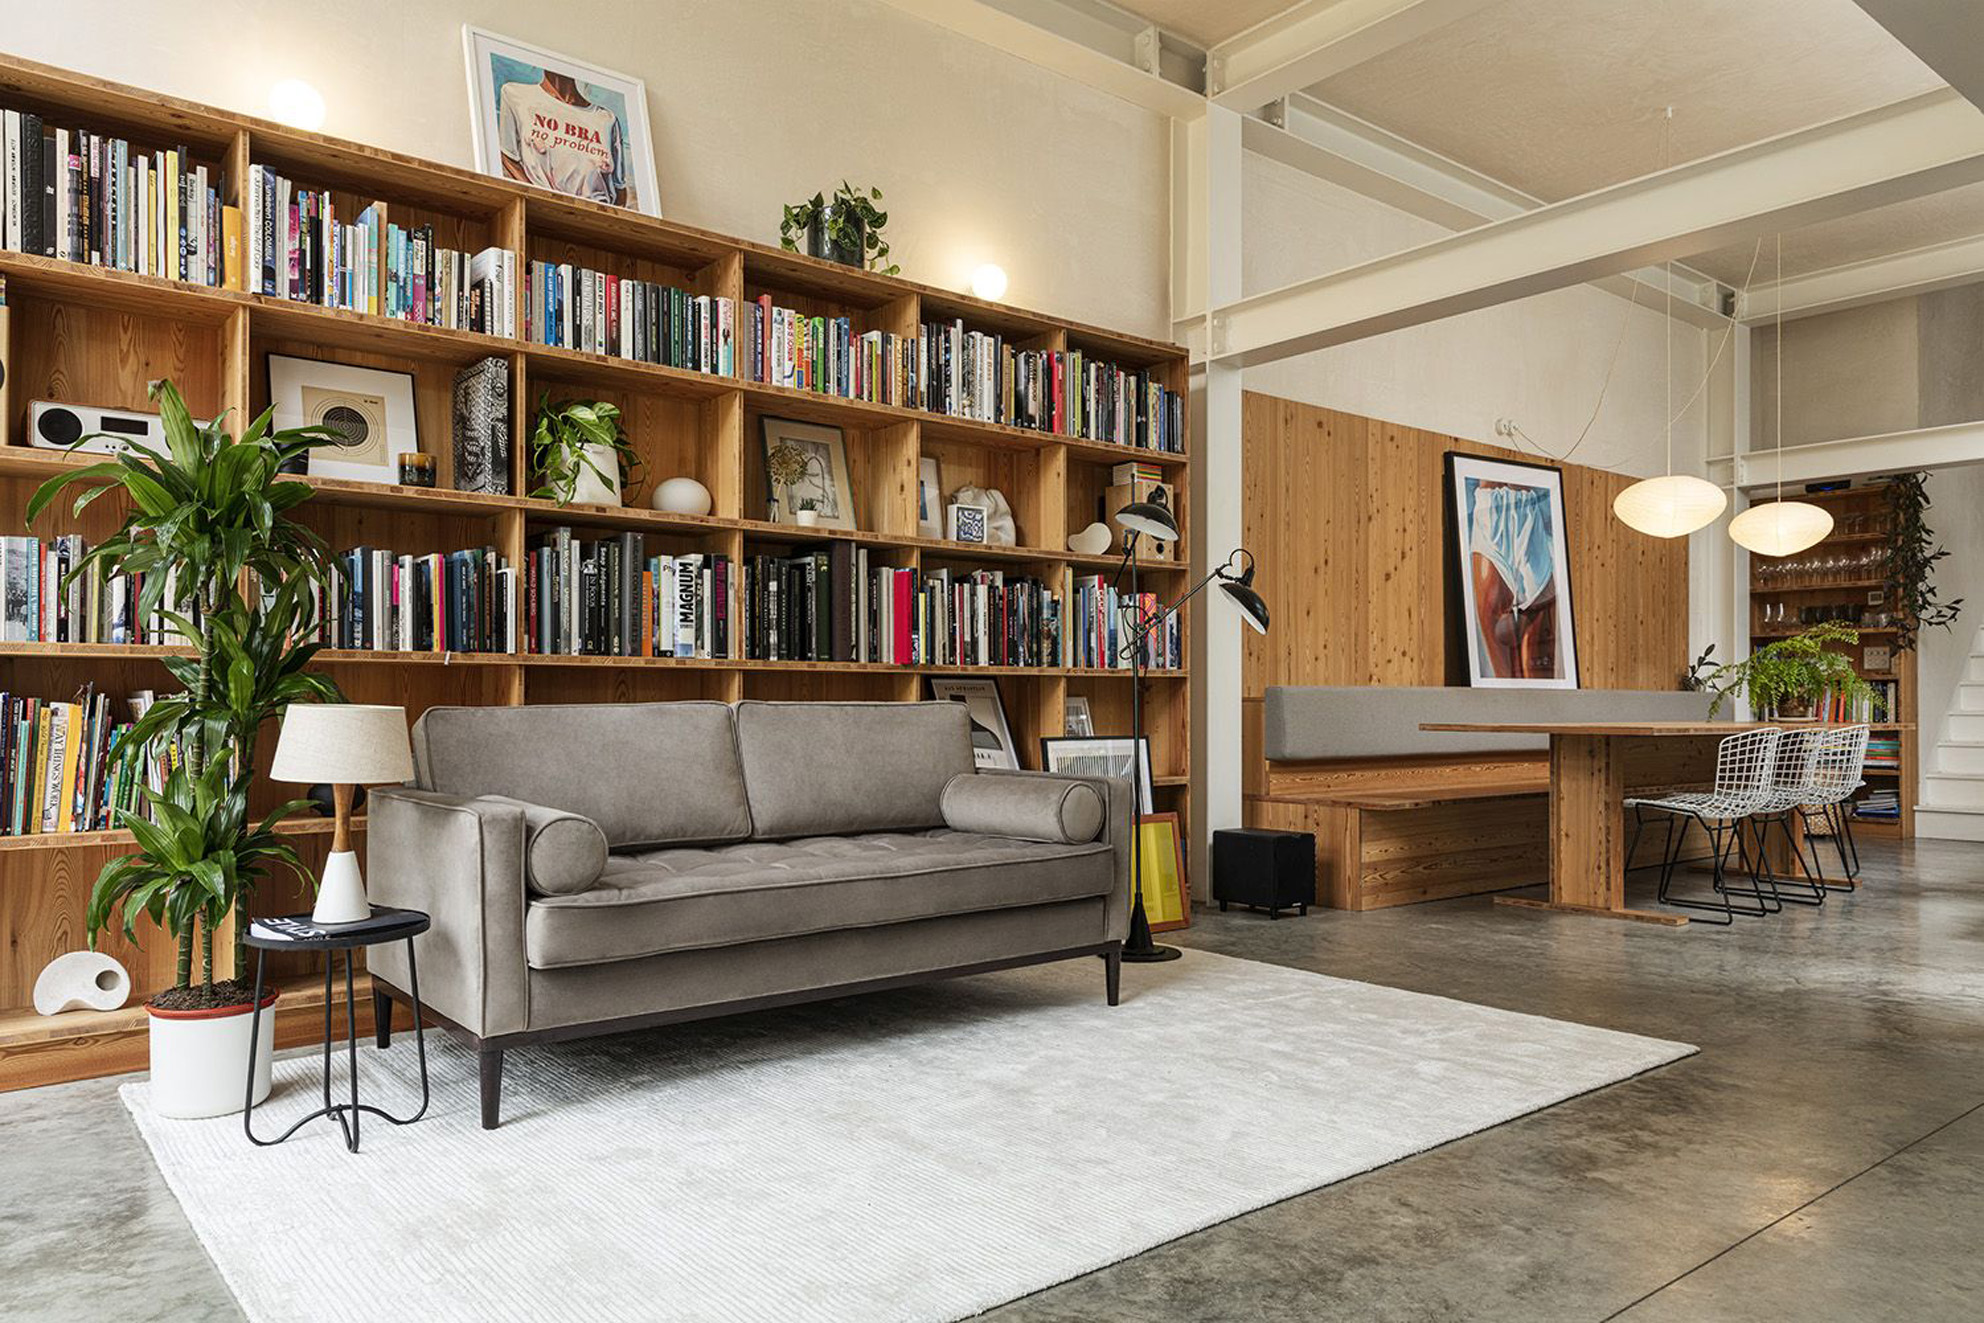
{"points": [[685, 899]]}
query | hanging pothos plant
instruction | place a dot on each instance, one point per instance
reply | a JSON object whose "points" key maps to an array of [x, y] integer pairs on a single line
{"points": [[1911, 562]]}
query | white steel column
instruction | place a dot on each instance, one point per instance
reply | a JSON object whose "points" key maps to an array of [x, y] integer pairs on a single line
{"points": [[1214, 152]]}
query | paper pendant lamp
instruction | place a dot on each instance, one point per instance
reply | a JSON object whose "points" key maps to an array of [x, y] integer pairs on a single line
{"points": [[1780, 528], [1673, 506]]}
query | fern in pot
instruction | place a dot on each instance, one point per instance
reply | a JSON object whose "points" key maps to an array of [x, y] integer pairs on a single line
{"points": [[580, 453], [207, 515], [1785, 677]]}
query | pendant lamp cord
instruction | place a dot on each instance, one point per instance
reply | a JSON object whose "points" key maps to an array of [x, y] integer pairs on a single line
{"points": [[1778, 376]]}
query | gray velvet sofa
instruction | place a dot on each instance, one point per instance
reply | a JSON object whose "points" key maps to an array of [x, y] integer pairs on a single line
{"points": [[597, 868]]}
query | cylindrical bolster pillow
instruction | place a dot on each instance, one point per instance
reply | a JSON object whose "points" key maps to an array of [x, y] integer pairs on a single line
{"points": [[1028, 808], [564, 853]]}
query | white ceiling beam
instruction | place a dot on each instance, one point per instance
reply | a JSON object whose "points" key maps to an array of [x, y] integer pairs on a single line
{"points": [[1863, 456], [1336, 146], [1946, 35], [1925, 144], [1087, 40], [1891, 276], [1302, 46]]}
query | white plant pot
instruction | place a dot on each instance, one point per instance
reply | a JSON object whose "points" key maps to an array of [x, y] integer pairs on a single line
{"points": [[588, 487], [806, 518], [200, 1059]]}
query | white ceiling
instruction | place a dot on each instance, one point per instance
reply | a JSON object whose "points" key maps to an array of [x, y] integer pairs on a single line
{"points": [[1207, 22], [1938, 218]]}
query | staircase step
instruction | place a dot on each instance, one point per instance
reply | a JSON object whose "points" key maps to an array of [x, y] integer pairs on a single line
{"points": [[1973, 670], [1960, 756], [1949, 824], [1970, 697], [1955, 789], [1967, 726]]}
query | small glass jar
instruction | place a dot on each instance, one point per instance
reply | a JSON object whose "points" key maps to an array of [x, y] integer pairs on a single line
{"points": [[416, 469]]}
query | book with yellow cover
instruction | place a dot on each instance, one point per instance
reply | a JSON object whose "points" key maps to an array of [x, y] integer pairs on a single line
{"points": [[232, 274]]}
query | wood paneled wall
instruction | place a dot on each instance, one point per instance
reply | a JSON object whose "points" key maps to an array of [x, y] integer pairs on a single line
{"points": [[1346, 516]]}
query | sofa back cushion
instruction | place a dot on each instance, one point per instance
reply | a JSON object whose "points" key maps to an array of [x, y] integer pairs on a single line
{"points": [[647, 773], [831, 769]]}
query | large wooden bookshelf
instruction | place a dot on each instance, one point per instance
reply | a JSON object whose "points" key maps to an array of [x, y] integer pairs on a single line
{"points": [[1850, 577], [94, 336]]}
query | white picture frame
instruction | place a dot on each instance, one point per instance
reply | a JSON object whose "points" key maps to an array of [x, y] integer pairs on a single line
{"points": [[1075, 717], [602, 152], [991, 738], [827, 482], [344, 397], [967, 523], [1099, 755], [1511, 555]]}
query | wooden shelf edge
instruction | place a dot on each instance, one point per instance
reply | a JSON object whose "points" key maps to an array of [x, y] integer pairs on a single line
{"points": [[86, 840]]}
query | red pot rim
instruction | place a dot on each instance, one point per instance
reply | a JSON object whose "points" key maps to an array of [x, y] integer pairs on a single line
{"points": [[269, 996]]}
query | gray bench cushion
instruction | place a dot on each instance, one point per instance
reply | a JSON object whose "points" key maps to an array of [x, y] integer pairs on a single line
{"points": [[681, 900], [822, 769], [1303, 723], [647, 773]]}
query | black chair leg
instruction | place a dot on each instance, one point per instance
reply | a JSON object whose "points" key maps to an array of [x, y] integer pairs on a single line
{"points": [[1112, 977]]}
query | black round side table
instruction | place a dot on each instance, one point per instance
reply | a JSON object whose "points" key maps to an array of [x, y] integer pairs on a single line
{"points": [[297, 932]]}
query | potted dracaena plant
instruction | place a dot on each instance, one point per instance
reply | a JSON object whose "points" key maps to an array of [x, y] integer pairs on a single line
{"points": [[1786, 676], [211, 544]]}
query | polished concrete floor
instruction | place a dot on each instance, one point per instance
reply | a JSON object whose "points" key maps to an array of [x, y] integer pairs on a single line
{"points": [[1822, 1157]]}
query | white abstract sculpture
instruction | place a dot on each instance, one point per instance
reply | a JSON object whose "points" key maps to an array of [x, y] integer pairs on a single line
{"points": [[81, 981], [1000, 530], [1091, 541], [682, 496]]}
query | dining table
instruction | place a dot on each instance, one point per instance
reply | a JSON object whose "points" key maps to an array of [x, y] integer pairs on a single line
{"points": [[1588, 828]]}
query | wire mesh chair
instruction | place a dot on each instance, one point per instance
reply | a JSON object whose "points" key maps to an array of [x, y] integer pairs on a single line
{"points": [[1836, 775], [1745, 764], [1791, 786]]}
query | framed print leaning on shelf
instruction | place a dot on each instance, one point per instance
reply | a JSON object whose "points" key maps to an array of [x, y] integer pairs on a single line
{"points": [[369, 410], [991, 737], [1511, 555], [807, 462], [1167, 894], [1075, 718], [560, 123], [1097, 755], [929, 499]]}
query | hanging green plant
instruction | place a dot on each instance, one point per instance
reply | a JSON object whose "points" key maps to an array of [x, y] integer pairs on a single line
{"points": [[1791, 672], [846, 229], [1911, 563]]}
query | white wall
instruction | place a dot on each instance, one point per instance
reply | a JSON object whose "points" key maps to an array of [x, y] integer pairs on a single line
{"points": [[1956, 512], [1539, 361], [981, 156]]}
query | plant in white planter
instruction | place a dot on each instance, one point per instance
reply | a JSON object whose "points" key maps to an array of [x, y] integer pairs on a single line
{"points": [[213, 509], [580, 454]]}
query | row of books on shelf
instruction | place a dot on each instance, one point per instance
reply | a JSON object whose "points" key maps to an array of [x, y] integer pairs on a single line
{"points": [[831, 604], [41, 603], [644, 320], [1879, 806], [1884, 754], [95, 198], [610, 598], [1104, 620], [380, 601], [59, 764], [300, 247], [1847, 708]]}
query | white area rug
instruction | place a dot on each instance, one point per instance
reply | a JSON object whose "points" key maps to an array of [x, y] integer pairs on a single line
{"points": [[925, 1154]]}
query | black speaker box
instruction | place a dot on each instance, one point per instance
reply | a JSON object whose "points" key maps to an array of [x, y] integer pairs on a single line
{"points": [[1262, 869]]}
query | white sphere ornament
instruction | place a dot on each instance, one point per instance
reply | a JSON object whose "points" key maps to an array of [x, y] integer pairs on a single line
{"points": [[682, 496], [1091, 541], [1780, 528], [81, 981], [1672, 506]]}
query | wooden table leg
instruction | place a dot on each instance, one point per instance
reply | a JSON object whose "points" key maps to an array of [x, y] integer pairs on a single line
{"points": [[1587, 832]]}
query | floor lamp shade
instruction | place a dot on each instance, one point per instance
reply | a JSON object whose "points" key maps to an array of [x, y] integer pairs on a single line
{"points": [[351, 744], [1150, 519], [1671, 506], [1780, 528]]}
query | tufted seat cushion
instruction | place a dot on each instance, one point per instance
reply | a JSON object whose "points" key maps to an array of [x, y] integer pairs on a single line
{"points": [[684, 899]]}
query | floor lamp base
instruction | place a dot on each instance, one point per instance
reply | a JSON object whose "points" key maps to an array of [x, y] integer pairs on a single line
{"points": [[1151, 955]]}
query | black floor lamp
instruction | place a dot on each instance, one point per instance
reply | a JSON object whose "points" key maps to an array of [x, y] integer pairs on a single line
{"points": [[1141, 519]]}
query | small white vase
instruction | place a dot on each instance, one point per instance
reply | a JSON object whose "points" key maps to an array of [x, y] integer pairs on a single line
{"points": [[590, 488], [806, 518], [81, 981], [200, 1059]]}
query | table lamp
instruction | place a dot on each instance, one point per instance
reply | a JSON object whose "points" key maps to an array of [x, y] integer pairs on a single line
{"points": [[346, 745]]}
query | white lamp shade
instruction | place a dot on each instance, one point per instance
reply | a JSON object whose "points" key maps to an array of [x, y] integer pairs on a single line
{"points": [[1673, 506], [1780, 528], [343, 744]]}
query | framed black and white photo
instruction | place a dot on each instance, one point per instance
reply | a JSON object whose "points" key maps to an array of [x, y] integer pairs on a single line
{"points": [[991, 737], [1099, 755], [806, 467], [1512, 561], [369, 411], [967, 523], [560, 123]]}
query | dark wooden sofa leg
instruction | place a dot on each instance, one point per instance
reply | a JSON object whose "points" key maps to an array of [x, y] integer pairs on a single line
{"points": [[1113, 970], [489, 1063], [382, 1018]]}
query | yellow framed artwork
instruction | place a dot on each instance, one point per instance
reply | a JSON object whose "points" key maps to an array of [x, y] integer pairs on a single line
{"points": [[1167, 893]]}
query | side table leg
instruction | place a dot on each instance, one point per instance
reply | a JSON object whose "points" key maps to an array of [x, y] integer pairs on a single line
{"points": [[419, 1036], [351, 1043], [254, 1039]]}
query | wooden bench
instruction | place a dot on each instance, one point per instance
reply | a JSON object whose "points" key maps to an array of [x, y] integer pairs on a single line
{"points": [[1402, 815]]}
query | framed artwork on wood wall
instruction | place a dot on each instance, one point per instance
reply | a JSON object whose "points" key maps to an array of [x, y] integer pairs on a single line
{"points": [[1511, 557]]}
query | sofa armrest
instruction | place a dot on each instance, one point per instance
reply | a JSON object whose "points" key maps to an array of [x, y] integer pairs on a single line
{"points": [[462, 861], [1117, 818]]}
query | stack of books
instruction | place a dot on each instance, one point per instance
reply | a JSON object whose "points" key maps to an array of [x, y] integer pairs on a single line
{"points": [[982, 618], [89, 197], [59, 770], [610, 598], [40, 603], [973, 374], [300, 247], [1879, 806], [824, 354], [382, 601], [573, 308], [1843, 709], [1104, 619], [1884, 754]]}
